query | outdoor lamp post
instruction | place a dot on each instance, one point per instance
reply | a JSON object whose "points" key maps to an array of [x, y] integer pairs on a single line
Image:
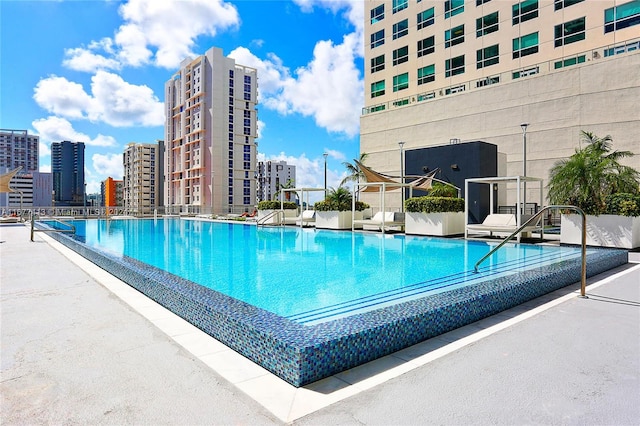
{"points": [[84, 200], [325, 172], [524, 166], [401, 175]]}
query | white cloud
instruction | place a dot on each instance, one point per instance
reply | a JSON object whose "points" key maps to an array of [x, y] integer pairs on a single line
{"points": [[329, 88], [155, 31], [112, 100], [335, 154], [56, 129], [43, 149], [108, 165], [45, 168]]}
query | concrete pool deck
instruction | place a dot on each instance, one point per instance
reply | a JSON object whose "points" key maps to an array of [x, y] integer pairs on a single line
{"points": [[74, 352]]}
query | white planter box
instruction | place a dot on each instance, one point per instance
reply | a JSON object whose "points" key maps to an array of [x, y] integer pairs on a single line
{"points": [[437, 224], [604, 230], [335, 219], [275, 219]]}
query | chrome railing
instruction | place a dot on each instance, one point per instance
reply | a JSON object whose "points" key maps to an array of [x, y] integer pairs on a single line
{"points": [[279, 219], [535, 218], [71, 230]]}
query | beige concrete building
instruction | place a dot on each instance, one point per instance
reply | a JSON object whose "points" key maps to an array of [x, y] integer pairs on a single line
{"points": [[210, 132], [142, 178], [441, 71]]}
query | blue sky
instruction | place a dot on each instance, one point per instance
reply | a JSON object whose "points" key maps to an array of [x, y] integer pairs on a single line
{"points": [[94, 71]]}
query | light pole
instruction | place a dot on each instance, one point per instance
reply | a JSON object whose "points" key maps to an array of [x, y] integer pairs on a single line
{"points": [[84, 200], [325, 172], [524, 166], [401, 175]]}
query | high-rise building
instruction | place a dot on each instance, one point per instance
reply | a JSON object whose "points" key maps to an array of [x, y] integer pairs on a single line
{"points": [[111, 192], [271, 175], [210, 132], [19, 149], [455, 70], [143, 174], [67, 166]]}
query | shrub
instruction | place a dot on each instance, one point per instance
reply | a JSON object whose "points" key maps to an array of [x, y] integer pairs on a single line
{"points": [[623, 204], [430, 204], [275, 205], [441, 190], [339, 199]]}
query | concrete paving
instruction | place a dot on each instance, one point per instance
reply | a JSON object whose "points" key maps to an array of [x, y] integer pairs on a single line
{"points": [[73, 353]]}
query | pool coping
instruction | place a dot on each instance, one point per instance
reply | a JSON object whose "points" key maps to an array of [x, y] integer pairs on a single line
{"points": [[302, 354]]}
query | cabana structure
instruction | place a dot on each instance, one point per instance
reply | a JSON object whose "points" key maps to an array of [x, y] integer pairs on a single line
{"points": [[307, 216], [381, 183], [503, 223]]}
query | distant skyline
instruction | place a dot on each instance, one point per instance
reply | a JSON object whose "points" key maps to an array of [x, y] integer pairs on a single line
{"points": [[94, 72]]}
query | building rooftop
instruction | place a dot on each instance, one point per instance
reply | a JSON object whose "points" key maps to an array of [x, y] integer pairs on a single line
{"points": [[80, 347]]}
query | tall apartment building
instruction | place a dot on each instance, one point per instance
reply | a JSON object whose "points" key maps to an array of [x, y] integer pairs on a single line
{"points": [[272, 174], [437, 71], [111, 192], [19, 149], [142, 179], [210, 132], [67, 166]]}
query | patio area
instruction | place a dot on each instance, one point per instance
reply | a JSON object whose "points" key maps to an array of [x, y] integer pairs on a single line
{"points": [[74, 352]]}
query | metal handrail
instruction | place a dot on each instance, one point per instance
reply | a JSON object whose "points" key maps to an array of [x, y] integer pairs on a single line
{"points": [[263, 220], [69, 231], [536, 216]]}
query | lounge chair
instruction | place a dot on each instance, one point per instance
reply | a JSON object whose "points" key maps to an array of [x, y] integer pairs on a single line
{"points": [[382, 220], [501, 223], [307, 218]]}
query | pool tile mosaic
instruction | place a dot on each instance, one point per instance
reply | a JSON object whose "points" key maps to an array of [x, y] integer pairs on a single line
{"points": [[302, 354]]}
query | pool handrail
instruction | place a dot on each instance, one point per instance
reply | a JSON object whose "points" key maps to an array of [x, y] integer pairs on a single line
{"points": [[280, 219], [583, 277], [70, 231]]}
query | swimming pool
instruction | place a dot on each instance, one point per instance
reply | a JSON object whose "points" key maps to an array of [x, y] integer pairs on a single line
{"points": [[308, 303]]}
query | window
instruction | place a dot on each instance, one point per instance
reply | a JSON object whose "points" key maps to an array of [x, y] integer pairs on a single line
{"points": [[488, 81], [426, 74], [487, 24], [401, 55], [425, 46], [487, 56], [247, 79], [569, 61], [377, 14], [247, 200], [454, 36], [399, 5], [481, 2], [559, 4], [454, 66], [401, 29], [377, 39], [401, 82], [623, 16], [377, 64], [453, 8], [425, 18], [377, 89], [525, 45], [524, 11], [569, 32]]}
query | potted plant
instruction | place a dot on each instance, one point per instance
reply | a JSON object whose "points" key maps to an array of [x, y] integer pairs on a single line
{"points": [[335, 211], [440, 213], [266, 208], [608, 192]]}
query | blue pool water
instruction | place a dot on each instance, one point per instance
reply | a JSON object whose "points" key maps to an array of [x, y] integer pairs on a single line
{"points": [[307, 275]]}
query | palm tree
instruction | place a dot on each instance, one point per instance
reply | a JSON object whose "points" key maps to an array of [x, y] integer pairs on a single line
{"points": [[591, 174], [289, 184], [354, 172]]}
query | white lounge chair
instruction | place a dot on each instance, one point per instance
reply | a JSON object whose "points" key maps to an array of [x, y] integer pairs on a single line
{"points": [[501, 223], [382, 220], [307, 218]]}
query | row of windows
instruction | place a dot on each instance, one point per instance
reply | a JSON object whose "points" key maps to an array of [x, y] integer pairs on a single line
{"points": [[567, 33], [615, 18], [521, 11]]}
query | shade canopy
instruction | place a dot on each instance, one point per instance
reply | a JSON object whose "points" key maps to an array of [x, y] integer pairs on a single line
{"points": [[6, 178], [423, 183]]}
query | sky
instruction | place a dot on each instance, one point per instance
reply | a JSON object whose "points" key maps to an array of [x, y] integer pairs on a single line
{"points": [[94, 71]]}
